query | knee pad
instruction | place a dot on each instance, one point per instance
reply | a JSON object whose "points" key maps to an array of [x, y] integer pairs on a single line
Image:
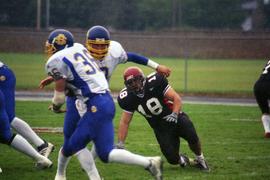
{"points": [[172, 159]]}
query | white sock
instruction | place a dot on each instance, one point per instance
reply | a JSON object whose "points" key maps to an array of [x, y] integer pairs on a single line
{"points": [[93, 152], [88, 164], [266, 122], [26, 131], [126, 157], [20, 144], [200, 157], [62, 163]]}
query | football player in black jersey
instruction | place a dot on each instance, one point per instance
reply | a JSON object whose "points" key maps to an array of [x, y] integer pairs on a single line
{"points": [[157, 101], [262, 94]]}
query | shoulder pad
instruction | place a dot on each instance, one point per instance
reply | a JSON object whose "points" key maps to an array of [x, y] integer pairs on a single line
{"points": [[116, 50], [152, 74]]}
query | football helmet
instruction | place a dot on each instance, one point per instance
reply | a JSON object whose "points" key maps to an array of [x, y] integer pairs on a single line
{"points": [[134, 80], [57, 40], [98, 41]]}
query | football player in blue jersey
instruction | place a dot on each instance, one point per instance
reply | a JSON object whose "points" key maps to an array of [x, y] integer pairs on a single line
{"points": [[262, 95], [8, 120], [72, 68], [158, 102]]}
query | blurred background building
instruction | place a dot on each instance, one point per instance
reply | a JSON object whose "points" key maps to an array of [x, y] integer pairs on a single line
{"points": [[173, 28]]}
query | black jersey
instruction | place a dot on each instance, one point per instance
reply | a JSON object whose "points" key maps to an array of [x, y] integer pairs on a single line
{"points": [[265, 76], [152, 106]]}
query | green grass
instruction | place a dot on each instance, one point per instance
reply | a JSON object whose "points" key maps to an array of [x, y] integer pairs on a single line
{"points": [[232, 141], [203, 76]]}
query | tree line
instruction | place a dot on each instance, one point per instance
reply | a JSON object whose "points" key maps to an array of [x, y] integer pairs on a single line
{"points": [[132, 15]]}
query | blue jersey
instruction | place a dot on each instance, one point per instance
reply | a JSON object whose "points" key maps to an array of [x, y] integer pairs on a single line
{"points": [[7, 102]]}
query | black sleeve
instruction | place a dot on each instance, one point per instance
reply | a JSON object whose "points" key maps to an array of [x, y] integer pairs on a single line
{"points": [[159, 81], [124, 101]]}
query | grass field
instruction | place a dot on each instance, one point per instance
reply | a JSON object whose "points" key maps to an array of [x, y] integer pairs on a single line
{"points": [[203, 76], [232, 140]]}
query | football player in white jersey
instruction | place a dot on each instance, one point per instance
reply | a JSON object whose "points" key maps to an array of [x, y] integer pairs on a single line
{"points": [[8, 120], [108, 54], [72, 67]]}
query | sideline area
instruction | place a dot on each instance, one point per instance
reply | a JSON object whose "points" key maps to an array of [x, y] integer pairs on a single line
{"points": [[46, 96]]}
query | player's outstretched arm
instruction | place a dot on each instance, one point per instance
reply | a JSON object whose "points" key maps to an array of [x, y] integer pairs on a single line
{"points": [[45, 82], [163, 70], [126, 118], [139, 59]]}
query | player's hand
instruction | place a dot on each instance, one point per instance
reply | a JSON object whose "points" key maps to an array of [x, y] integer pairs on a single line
{"points": [[120, 145], [56, 109], [164, 70], [45, 82], [171, 117]]}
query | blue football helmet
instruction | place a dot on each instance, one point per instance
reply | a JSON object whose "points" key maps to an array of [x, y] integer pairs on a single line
{"points": [[58, 39], [98, 41]]}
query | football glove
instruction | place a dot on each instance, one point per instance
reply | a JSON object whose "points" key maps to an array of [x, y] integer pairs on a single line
{"points": [[56, 109], [120, 145], [171, 117]]}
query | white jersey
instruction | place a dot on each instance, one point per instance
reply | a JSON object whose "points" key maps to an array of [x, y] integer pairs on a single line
{"points": [[116, 55], [1, 64], [78, 68]]}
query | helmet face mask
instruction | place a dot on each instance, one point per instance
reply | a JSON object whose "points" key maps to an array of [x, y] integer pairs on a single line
{"points": [[98, 42], [135, 81], [58, 39]]}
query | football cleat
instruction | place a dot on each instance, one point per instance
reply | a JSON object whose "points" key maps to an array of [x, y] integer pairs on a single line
{"points": [[201, 164], [267, 135], [184, 160], [45, 149], [156, 167], [44, 163], [60, 177]]}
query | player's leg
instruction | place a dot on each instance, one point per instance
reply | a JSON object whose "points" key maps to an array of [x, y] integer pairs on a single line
{"points": [[16, 141], [8, 89], [62, 163], [188, 132], [103, 111], [43, 147], [20, 144], [88, 163], [84, 156], [262, 94], [105, 151], [169, 144], [70, 123], [81, 136]]}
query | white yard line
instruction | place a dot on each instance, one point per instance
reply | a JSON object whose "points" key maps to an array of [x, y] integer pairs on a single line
{"points": [[245, 120]]}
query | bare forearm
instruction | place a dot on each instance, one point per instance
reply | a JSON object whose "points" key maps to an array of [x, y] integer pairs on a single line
{"points": [[123, 132]]}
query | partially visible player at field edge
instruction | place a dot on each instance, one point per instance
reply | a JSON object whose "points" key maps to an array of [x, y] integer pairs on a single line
{"points": [[262, 95], [71, 66], [161, 106], [8, 121]]}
